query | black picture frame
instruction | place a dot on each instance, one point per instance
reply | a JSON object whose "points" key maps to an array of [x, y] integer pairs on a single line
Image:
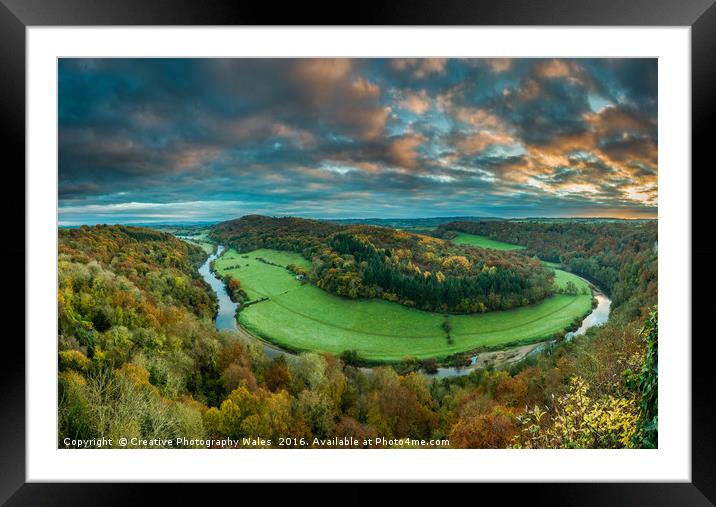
{"points": [[700, 15]]}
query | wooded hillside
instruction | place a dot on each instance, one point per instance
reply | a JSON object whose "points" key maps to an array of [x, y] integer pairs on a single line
{"points": [[415, 270], [621, 257]]}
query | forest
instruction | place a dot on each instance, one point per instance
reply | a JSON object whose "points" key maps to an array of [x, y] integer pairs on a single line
{"points": [[363, 261], [619, 256], [139, 355]]}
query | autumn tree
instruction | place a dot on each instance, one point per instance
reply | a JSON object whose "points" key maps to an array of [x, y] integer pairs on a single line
{"points": [[277, 376]]}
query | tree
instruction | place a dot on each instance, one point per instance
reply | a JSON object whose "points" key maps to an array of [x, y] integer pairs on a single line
{"points": [[648, 428], [233, 411], [579, 421], [307, 371], [73, 360], [394, 407], [350, 428], [214, 422], [75, 412], [277, 376], [351, 357], [571, 289], [319, 413], [493, 430], [271, 419], [235, 376]]}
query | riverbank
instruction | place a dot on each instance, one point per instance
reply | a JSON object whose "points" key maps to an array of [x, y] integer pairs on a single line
{"points": [[300, 316]]}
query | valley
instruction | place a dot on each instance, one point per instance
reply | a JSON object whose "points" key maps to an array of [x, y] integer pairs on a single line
{"points": [[301, 317]]}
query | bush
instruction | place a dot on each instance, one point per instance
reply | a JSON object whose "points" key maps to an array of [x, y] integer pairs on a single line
{"points": [[407, 365], [430, 366], [580, 421], [74, 412], [351, 357]]}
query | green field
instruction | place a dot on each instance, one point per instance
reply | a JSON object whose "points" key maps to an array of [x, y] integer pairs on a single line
{"points": [[202, 240], [483, 242], [306, 318]]}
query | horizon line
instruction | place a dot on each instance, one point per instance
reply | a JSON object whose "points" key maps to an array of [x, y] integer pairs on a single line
{"points": [[482, 217]]}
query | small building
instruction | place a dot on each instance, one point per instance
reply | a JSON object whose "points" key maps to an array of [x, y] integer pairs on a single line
{"points": [[301, 278]]}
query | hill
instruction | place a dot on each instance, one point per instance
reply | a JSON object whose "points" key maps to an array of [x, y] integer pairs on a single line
{"points": [[365, 261], [619, 256]]}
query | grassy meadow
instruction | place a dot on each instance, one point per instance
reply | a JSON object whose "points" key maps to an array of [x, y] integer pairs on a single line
{"points": [[483, 242], [302, 317], [202, 240]]}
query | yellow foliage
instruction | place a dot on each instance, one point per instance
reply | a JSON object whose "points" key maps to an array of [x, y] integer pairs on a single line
{"points": [[135, 373], [578, 421], [72, 360], [72, 378], [457, 262], [213, 422]]}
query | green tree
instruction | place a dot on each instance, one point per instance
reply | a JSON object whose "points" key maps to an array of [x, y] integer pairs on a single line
{"points": [[648, 428]]}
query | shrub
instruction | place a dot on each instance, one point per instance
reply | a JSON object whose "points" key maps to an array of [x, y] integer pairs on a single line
{"points": [[351, 357]]}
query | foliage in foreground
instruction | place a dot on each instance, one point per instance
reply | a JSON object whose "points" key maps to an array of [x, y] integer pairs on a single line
{"points": [[648, 430], [579, 421]]}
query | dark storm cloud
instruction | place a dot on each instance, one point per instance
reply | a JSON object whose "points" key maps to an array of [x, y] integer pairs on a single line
{"points": [[148, 139]]}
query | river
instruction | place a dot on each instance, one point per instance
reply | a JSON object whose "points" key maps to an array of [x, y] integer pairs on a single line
{"points": [[226, 320], [226, 316], [503, 357]]}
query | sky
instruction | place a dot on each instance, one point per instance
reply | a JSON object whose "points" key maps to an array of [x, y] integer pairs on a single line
{"points": [[167, 140]]}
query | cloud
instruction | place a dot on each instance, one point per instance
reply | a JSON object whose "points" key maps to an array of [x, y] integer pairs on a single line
{"points": [[568, 70], [403, 150], [420, 68], [418, 103], [499, 65], [481, 140], [350, 137]]}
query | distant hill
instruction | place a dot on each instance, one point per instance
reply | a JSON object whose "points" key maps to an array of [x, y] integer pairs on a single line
{"points": [[608, 252]]}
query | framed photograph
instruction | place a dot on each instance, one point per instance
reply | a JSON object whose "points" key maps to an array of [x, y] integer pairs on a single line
{"points": [[433, 244]]}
